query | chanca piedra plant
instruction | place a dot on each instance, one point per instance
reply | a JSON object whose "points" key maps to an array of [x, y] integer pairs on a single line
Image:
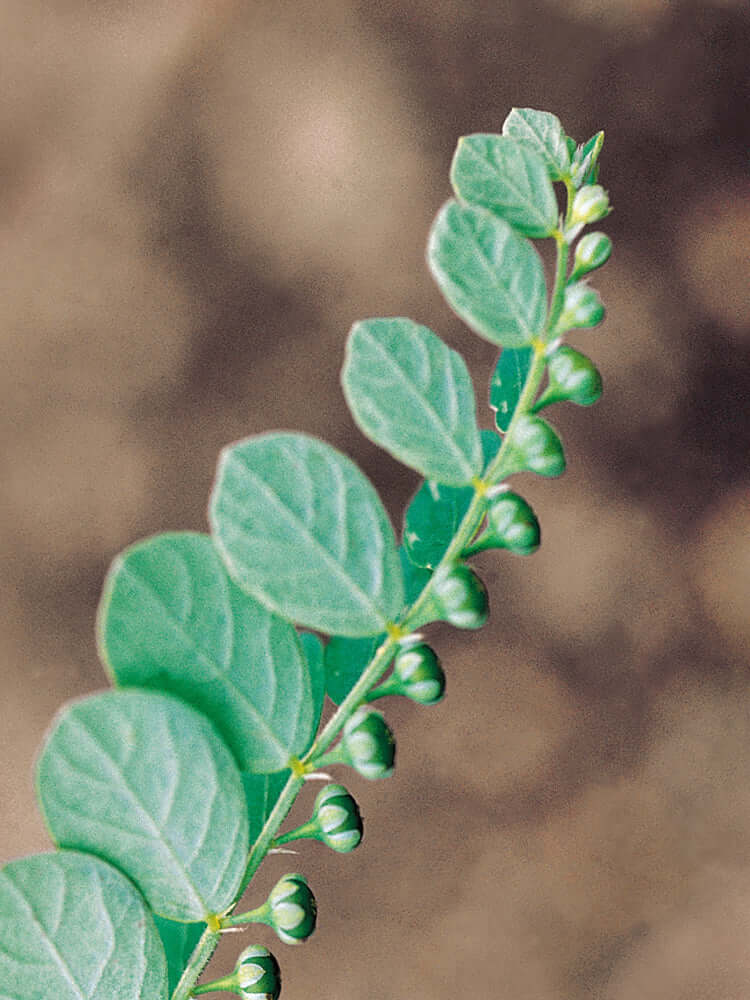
{"points": [[164, 795]]}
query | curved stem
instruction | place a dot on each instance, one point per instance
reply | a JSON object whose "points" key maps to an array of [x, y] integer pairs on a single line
{"points": [[377, 667]]}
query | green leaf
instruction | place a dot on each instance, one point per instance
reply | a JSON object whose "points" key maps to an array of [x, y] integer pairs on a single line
{"points": [[179, 940], [507, 382], [416, 577], [143, 780], [261, 793], [302, 529], [542, 132], [412, 395], [431, 520], [492, 277], [314, 654], [170, 618], [345, 660], [74, 928], [435, 512], [509, 179], [585, 168]]}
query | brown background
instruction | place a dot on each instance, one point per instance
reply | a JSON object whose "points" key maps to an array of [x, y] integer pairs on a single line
{"points": [[196, 201]]}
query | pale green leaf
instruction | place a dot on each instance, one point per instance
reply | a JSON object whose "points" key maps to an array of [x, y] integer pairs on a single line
{"points": [[509, 179], [74, 928], [492, 277], [302, 529], [542, 132], [171, 618], [144, 781], [412, 395]]}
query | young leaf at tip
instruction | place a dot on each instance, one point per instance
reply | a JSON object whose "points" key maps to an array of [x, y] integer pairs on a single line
{"points": [[509, 179], [542, 132]]}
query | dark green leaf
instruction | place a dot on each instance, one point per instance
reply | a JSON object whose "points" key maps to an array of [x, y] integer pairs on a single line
{"points": [[492, 277], [345, 660], [179, 940], [171, 618], [416, 577], [542, 132], [301, 529], [412, 395], [261, 793], [436, 511], [509, 179], [74, 928], [143, 780], [431, 520], [507, 383]]}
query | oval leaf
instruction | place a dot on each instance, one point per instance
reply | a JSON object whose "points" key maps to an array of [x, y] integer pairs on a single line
{"points": [[492, 277], [143, 780], [511, 180], [542, 132], [302, 529], [412, 395], [74, 928], [507, 382], [171, 618]]}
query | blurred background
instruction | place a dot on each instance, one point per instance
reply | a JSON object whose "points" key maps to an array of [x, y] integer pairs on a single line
{"points": [[197, 200]]}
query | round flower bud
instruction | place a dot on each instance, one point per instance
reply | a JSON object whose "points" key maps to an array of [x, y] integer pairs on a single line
{"points": [[258, 974], [461, 596], [574, 377], [592, 251], [590, 204], [512, 524], [419, 675], [368, 744], [581, 307], [292, 909], [534, 446], [338, 819]]}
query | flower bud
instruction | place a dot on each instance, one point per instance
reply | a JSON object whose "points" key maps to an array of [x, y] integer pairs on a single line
{"points": [[338, 819], [292, 909], [582, 307], [592, 251], [590, 204], [573, 377], [368, 745], [535, 447], [418, 675], [258, 975], [460, 596], [511, 524]]}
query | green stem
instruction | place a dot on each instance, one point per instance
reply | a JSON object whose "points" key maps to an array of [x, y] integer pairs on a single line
{"points": [[225, 983], [377, 667], [197, 963]]}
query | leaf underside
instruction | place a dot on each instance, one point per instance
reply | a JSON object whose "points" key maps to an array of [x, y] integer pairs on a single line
{"points": [[171, 618], [74, 928], [301, 528], [144, 781]]}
